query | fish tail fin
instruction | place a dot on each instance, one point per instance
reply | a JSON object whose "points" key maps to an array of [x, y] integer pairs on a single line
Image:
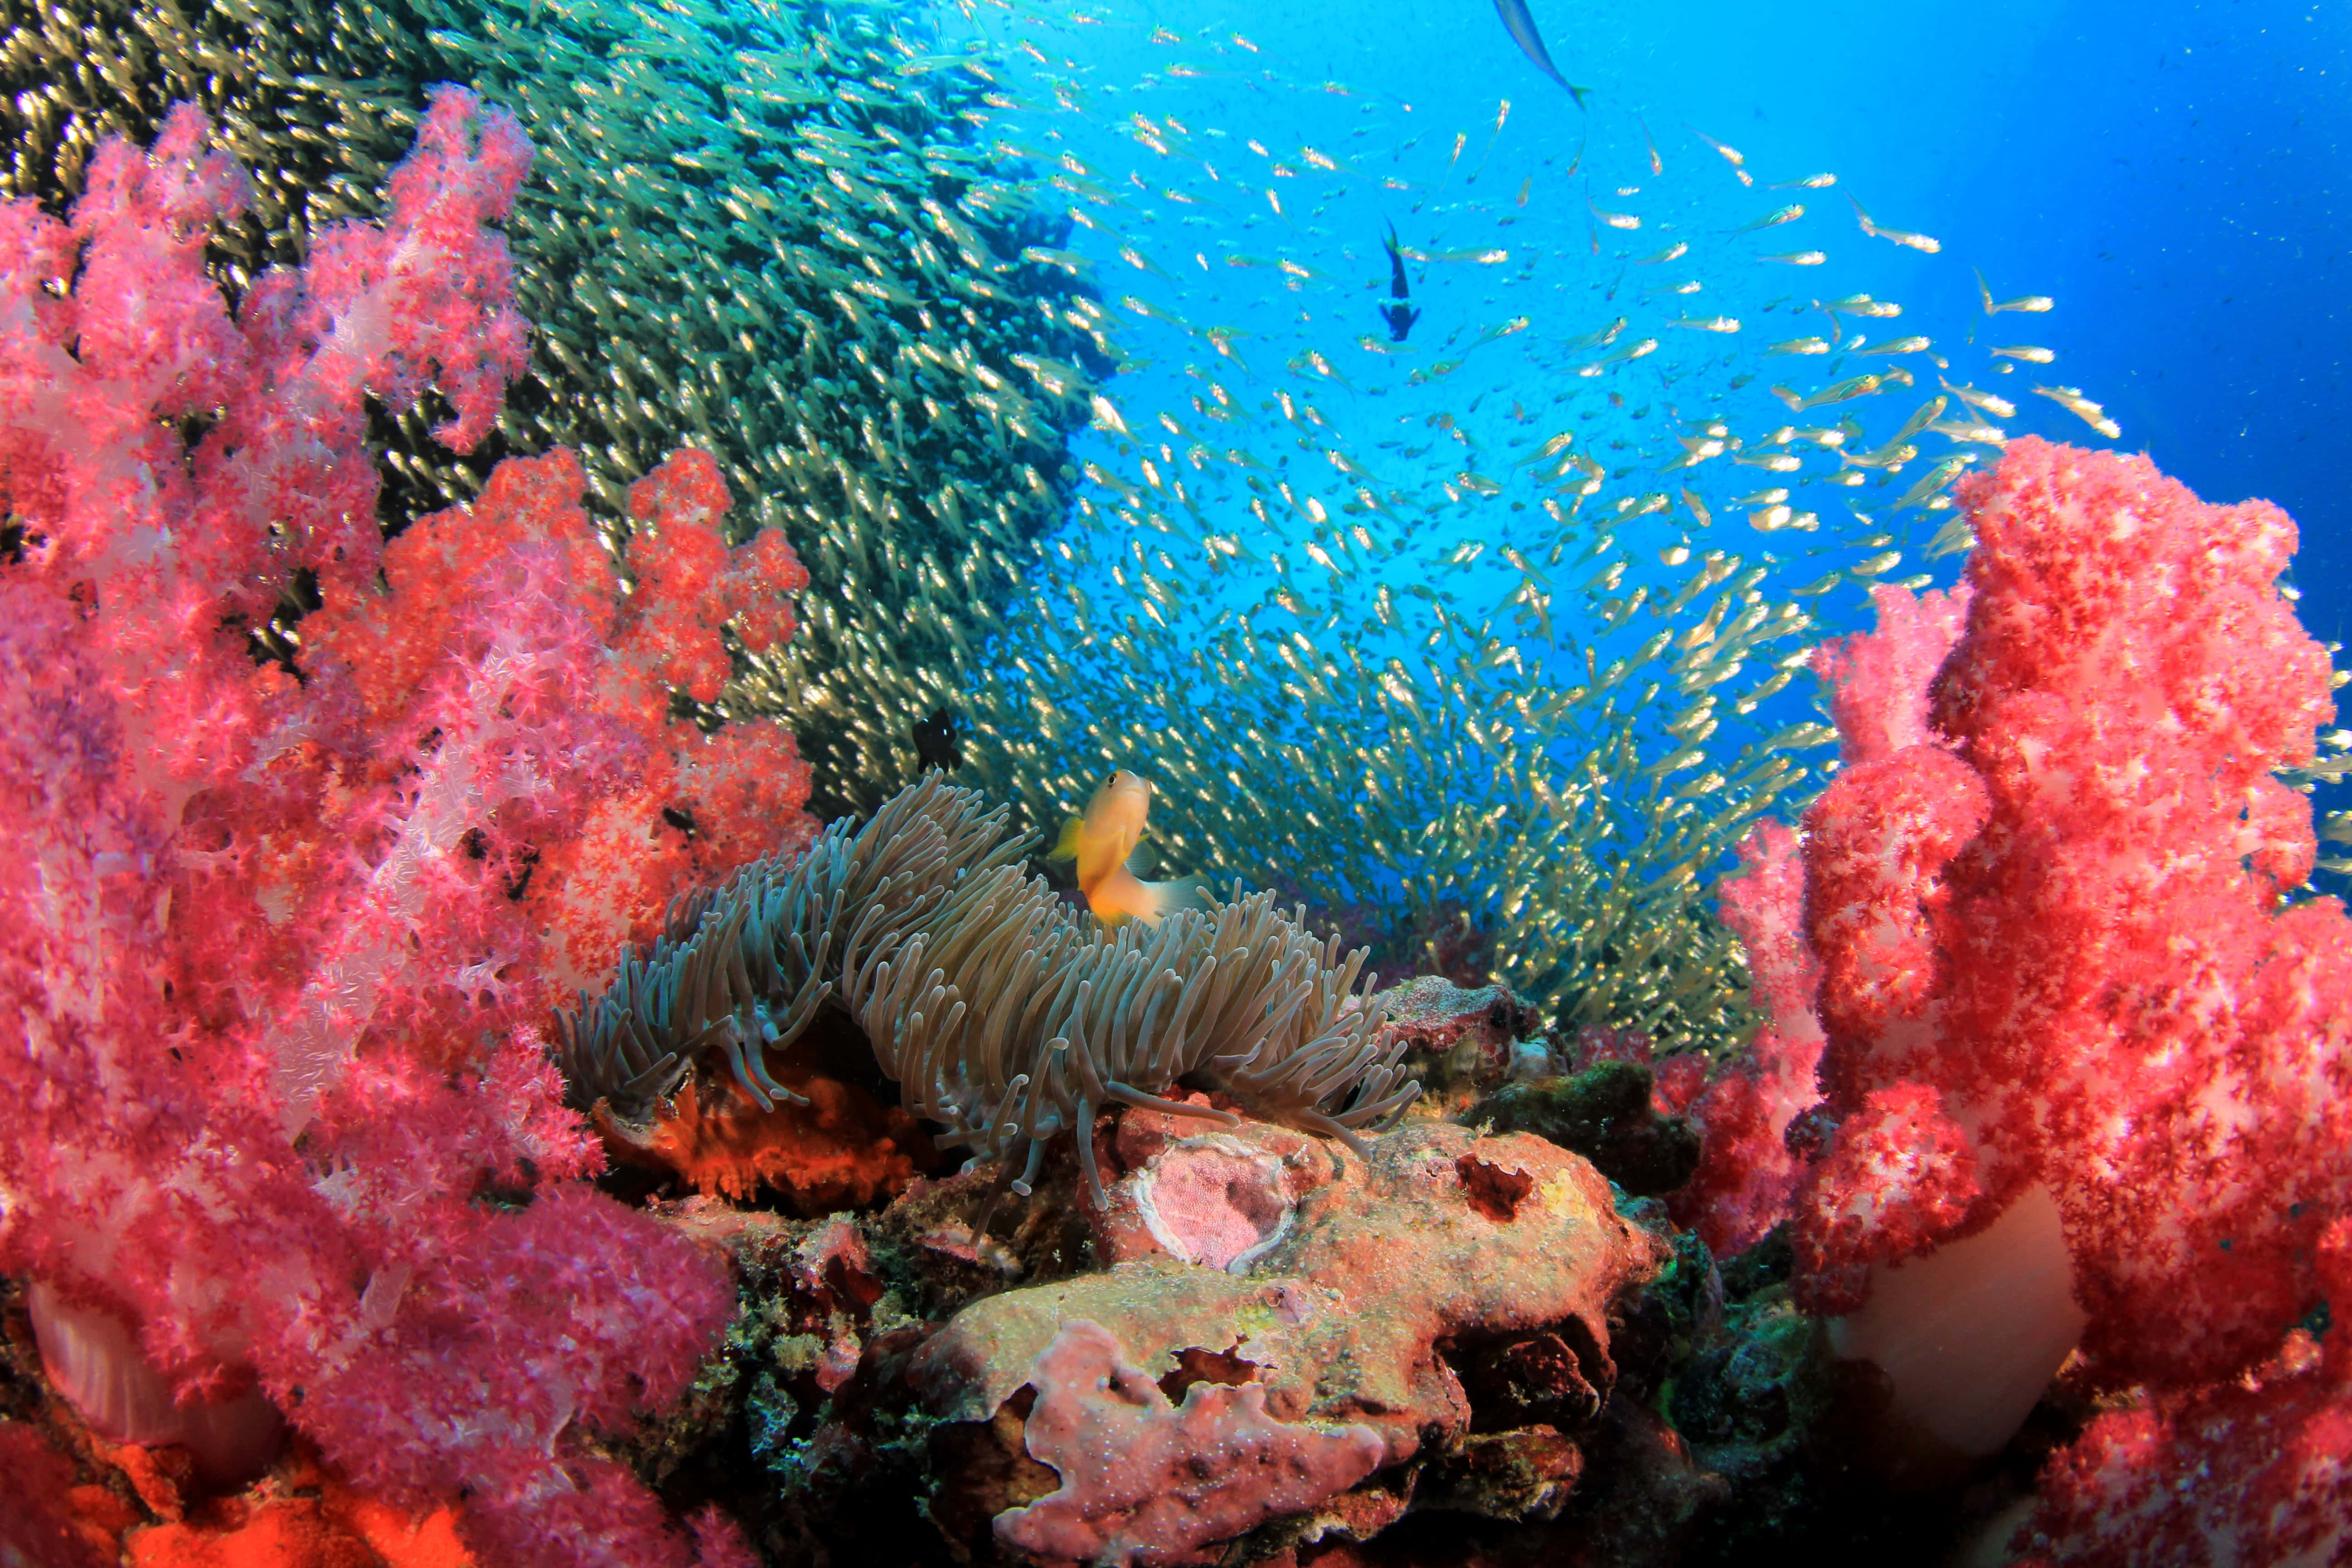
{"points": [[1122, 896], [1184, 893], [1577, 93]]}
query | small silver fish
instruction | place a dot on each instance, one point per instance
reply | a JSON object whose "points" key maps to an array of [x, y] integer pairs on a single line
{"points": [[1522, 27]]}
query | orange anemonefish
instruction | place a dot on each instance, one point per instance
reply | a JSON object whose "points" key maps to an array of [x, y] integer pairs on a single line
{"points": [[1100, 842]]}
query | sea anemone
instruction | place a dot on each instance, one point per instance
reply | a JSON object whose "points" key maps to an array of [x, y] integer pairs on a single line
{"points": [[1004, 1014]]}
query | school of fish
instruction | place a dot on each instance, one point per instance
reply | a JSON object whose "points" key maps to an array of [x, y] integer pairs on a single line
{"points": [[1083, 398]]}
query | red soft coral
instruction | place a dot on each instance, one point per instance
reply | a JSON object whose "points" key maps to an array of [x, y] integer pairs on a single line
{"points": [[1901, 810], [669, 806], [689, 583], [1878, 680], [273, 1092], [38, 1529], [1899, 1177], [430, 575], [1878, 908], [2251, 1473], [1747, 1172], [2057, 926], [2068, 925]]}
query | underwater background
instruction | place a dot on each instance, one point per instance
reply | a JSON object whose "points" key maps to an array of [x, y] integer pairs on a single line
{"points": [[610, 610], [2149, 288], [2159, 169]]}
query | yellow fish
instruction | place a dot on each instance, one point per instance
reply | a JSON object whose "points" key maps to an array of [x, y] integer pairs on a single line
{"points": [[1101, 841]]}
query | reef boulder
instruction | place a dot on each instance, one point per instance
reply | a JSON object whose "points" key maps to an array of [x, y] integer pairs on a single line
{"points": [[1288, 1332], [1461, 1042]]}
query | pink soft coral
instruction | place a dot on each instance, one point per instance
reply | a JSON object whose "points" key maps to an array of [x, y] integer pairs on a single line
{"points": [[2061, 910], [1747, 1172], [1832, 901], [2256, 1470], [2088, 1062], [272, 1090], [663, 806]]}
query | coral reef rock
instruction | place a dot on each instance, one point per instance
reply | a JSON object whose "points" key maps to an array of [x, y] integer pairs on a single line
{"points": [[1464, 1041], [1606, 1114], [1289, 1332]]}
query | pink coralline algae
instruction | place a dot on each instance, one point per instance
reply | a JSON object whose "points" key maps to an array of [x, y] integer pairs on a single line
{"points": [[1148, 1481], [272, 1095], [2089, 1047], [1430, 1327], [1211, 1199]]}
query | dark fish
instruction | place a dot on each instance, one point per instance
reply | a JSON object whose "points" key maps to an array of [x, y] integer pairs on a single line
{"points": [[935, 742], [1399, 315], [1522, 26]]}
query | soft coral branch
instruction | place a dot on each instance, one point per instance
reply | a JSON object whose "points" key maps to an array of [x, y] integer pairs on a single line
{"points": [[2088, 1053], [2060, 910], [272, 1089]]}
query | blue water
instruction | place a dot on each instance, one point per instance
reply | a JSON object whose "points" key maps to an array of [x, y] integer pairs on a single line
{"points": [[2178, 175], [2171, 174]]}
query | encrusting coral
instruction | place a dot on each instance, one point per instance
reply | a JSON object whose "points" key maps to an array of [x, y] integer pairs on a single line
{"points": [[1004, 1013], [1189, 1393]]}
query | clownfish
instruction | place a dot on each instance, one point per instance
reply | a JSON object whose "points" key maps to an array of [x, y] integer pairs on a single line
{"points": [[1100, 842]]}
